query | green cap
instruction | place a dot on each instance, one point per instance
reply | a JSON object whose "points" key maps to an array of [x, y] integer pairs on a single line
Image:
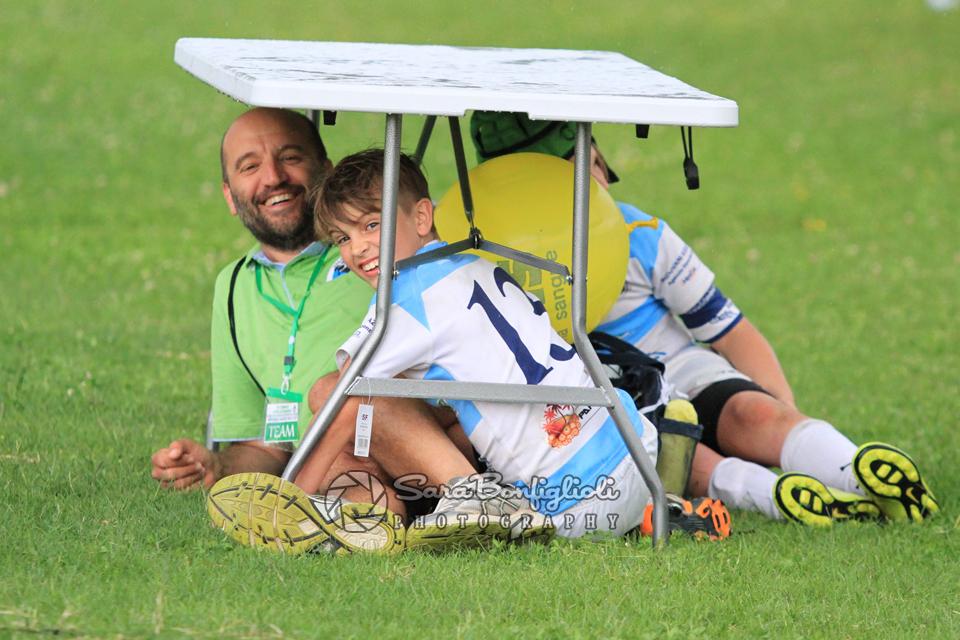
{"points": [[497, 133]]}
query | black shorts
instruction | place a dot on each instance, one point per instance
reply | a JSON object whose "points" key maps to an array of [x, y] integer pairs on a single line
{"points": [[710, 402]]}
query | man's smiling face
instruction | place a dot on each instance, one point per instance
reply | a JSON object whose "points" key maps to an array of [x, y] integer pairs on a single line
{"points": [[270, 162]]}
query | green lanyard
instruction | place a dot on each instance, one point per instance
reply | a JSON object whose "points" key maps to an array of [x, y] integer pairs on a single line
{"points": [[288, 359]]}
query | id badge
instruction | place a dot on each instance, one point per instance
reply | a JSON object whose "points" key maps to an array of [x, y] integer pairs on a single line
{"points": [[282, 416]]}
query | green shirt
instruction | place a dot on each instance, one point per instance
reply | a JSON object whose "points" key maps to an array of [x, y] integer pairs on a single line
{"points": [[334, 310]]}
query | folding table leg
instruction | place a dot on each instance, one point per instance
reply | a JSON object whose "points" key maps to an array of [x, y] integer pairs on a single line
{"points": [[388, 238], [424, 140], [463, 176], [581, 223]]}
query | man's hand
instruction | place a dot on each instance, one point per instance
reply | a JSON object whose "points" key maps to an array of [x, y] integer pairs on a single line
{"points": [[184, 464]]}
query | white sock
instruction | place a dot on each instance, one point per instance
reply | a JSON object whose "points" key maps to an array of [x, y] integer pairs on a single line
{"points": [[744, 485], [816, 448]]}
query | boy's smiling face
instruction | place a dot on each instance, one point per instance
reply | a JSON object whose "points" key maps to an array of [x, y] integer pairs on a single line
{"points": [[359, 238]]}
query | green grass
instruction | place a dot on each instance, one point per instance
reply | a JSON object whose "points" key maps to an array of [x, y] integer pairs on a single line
{"points": [[830, 215]]}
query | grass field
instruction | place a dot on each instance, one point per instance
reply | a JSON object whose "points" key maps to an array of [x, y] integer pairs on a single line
{"points": [[830, 215]]}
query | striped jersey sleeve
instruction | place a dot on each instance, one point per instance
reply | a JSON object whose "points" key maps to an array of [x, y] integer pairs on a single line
{"points": [[407, 344], [686, 285], [666, 281]]}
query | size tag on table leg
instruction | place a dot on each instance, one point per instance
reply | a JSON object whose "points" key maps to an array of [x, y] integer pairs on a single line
{"points": [[361, 439]]}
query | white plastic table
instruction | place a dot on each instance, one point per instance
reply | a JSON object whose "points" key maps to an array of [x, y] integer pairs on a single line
{"points": [[396, 80]]}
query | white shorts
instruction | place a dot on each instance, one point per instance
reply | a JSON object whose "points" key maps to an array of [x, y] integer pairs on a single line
{"points": [[613, 514], [695, 368]]}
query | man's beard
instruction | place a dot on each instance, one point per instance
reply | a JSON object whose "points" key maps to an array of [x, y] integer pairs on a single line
{"points": [[293, 234]]}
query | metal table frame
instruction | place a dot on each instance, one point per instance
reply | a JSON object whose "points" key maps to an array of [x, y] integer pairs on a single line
{"points": [[310, 68], [352, 382]]}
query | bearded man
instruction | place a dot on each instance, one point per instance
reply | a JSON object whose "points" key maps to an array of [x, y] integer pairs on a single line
{"points": [[279, 314]]}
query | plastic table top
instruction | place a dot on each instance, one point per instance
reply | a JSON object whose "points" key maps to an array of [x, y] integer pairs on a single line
{"points": [[547, 84]]}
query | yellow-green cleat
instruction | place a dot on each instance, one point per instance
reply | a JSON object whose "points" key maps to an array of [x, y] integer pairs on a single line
{"points": [[474, 512], [264, 511], [806, 500], [892, 479]]}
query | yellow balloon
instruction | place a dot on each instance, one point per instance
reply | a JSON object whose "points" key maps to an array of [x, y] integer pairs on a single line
{"points": [[525, 201]]}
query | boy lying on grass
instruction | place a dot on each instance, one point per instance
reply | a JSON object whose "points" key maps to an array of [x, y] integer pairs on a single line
{"points": [[671, 309]]}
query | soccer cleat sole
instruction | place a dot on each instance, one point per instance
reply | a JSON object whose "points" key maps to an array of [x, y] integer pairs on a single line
{"points": [[804, 499], [474, 530], [893, 479], [538, 530], [713, 522], [703, 518], [263, 511]]}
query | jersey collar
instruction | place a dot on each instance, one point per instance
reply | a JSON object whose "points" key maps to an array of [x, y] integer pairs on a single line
{"points": [[312, 249], [433, 244]]}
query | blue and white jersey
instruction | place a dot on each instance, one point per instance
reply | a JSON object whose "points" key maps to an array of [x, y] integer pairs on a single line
{"points": [[463, 318], [338, 270], [669, 298]]}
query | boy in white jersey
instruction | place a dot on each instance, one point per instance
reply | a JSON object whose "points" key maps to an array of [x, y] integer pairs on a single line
{"points": [[671, 309], [463, 318]]}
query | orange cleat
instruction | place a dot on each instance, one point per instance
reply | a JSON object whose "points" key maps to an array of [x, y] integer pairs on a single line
{"points": [[701, 518]]}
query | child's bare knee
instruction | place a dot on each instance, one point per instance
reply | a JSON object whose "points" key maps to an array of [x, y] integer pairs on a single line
{"points": [[751, 410], [321, 390]]}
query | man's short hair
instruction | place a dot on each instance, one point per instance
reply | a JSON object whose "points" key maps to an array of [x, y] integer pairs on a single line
{"points": [[300, 120], [357, 182]]}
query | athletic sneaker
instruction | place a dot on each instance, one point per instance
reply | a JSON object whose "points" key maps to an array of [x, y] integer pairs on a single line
{"points": [[806, 500], [473, 512], [701, 518], [892, 479], [261, 510]]}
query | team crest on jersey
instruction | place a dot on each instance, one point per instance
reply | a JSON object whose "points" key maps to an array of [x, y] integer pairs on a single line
{"points": [[561, 423]]}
